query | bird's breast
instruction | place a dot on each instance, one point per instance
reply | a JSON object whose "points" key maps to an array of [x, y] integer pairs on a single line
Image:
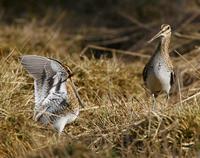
{"points": [[158, 78]]}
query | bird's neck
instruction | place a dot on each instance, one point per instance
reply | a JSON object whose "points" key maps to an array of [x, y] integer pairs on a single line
{"points": [[164, 45], [163, 49]]}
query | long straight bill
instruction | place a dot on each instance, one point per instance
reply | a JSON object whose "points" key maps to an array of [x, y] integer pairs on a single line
{"points": [[76, 93], [154, 37]]}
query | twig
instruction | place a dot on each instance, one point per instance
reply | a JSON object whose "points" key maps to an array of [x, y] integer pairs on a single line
{"points": [[10, 54], [16, 82], [188, 20], [190, 97], [93, 108], [177, 34], [116, 40], [135, 21], [83, 51], [187, 62], [179, 89], [156, 133], [167, 129], [113, 50]]}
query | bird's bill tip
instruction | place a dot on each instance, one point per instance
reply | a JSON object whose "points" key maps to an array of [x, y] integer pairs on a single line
{"points": [[155, 37], [149, 41]]}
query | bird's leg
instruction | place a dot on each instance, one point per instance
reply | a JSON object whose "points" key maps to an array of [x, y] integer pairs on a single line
{"points": [[167, 99], [150, 112], [154, 102], [149, 125]]}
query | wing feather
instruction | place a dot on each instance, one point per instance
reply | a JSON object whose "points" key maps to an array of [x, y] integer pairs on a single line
{"points": [[50, 85], [40, 69], [35, 65]]}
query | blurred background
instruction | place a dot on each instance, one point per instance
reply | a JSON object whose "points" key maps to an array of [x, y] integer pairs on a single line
{"points": [[116, 120], [126, 24]]}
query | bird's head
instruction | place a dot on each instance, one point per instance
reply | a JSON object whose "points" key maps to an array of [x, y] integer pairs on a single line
{"points": [[165, 31]]}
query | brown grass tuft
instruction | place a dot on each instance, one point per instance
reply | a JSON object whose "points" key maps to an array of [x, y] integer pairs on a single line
{"points": [[115, 122]]}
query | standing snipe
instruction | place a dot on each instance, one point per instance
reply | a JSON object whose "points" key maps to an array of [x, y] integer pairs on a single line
{"points": [[158, 73]]}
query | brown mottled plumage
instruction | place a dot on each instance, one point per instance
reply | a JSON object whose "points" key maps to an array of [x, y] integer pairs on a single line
{"points": [[158, 73]]}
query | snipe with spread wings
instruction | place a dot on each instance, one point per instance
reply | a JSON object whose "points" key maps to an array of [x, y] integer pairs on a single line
{"points": [[51, 100]]}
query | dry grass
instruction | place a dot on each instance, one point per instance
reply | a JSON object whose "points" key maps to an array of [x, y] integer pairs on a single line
{"points": [[116, 120]]}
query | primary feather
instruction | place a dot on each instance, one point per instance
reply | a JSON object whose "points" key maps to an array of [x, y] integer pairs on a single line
{"points": [[50, 90]]}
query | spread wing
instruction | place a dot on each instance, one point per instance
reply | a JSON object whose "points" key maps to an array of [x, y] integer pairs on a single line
{"points": [[40, 69], [49, 83], [50, 90], [35, 65]]}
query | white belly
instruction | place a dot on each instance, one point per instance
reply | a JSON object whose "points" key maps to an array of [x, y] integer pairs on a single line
{"points": [[159, 79]]}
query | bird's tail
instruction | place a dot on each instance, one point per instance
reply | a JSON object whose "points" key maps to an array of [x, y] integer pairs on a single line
{"points": [[70, 117]]}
